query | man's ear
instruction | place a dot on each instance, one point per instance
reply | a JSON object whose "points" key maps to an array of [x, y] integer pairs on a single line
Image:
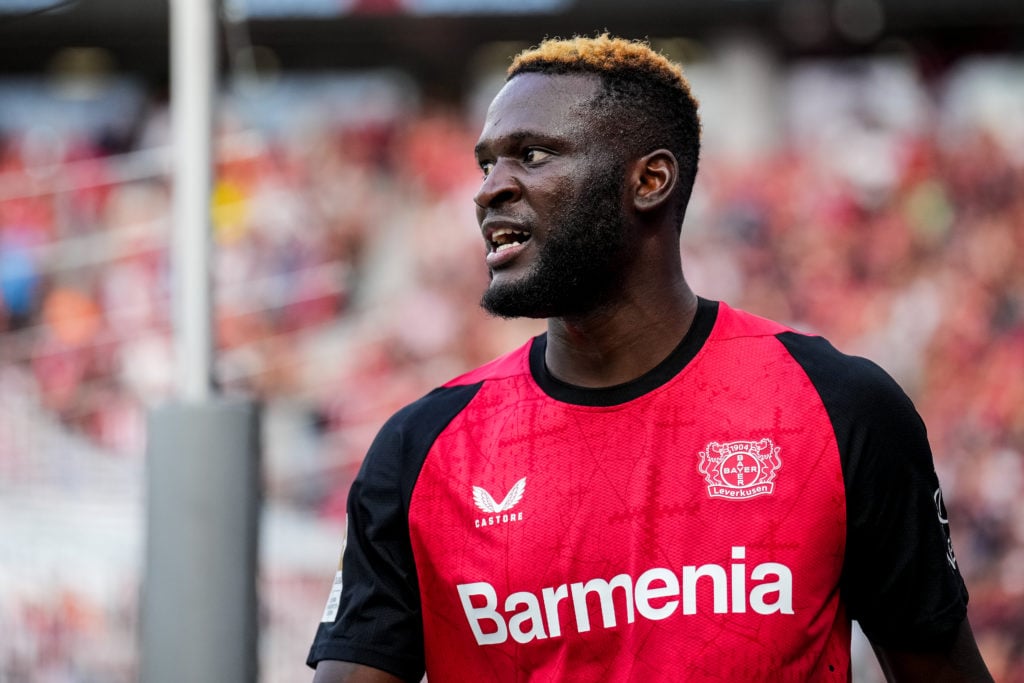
{"points": [[653, 178]]}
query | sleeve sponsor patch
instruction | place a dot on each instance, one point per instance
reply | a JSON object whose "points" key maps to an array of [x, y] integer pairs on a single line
{"points": [[333, 600]]}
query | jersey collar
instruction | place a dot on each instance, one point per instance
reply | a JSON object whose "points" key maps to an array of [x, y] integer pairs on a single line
{"points": [[693, 341]]}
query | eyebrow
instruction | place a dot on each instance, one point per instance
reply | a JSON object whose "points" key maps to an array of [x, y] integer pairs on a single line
{"points": [[513, 138]]}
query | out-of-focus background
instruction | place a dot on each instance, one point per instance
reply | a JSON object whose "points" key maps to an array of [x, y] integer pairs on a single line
{"points": [[863, 177]]}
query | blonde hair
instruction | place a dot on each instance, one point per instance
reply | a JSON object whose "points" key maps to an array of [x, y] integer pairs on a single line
{"points": [[644, 103], [602, 54]]}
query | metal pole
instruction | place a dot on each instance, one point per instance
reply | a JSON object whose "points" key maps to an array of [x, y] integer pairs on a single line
{"points": [[199, 610], [193, 67]]}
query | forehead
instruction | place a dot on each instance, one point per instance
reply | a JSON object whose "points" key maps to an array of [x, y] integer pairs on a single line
{"points": [[542, 104]]}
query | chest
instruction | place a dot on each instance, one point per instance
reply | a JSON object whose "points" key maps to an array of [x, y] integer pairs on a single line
{"points": [[540, 493]]}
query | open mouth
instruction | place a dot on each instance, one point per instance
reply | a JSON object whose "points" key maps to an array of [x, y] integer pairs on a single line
{"points": [[506, 238]]}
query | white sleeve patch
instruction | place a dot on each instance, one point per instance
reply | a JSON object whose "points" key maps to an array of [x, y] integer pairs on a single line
{"points": [[333, 601]]}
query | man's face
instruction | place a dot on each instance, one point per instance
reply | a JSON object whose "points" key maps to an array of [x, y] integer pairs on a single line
{"points": [[550, 206]]}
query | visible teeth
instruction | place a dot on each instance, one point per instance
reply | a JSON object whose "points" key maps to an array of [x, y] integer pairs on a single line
{"points": [[508, 237], [502, 247]]}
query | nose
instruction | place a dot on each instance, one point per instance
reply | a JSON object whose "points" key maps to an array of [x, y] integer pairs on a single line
{"points": [[499, 187]]}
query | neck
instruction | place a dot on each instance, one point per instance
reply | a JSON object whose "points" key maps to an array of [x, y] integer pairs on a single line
{"points": [[622, 341]]}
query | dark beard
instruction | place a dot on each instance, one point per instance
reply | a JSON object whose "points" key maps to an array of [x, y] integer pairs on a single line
{"points": [[578, 268]]}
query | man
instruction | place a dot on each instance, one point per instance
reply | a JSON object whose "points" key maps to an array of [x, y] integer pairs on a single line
{"points": [[660, 488]]}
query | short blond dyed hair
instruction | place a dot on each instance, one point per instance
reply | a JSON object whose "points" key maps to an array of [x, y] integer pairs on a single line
{"points": [[645, 102], [601, 54]]}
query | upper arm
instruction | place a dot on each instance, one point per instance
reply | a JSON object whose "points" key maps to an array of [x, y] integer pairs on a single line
{"points": [[332, 671], [373, 616], [373, 621], [900, 579], [957, 661]]}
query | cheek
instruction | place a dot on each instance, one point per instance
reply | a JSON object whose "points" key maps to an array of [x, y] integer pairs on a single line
{"points": [[556, 193]]}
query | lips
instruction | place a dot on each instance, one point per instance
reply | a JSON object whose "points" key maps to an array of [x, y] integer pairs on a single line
{"points": [[504, 242]]}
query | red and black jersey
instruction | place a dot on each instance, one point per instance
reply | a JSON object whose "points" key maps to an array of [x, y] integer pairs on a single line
{"points": [[721, 518]]}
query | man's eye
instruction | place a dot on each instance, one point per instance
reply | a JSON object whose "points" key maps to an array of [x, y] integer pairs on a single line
{"points": [[534, 155], [486, 167]]}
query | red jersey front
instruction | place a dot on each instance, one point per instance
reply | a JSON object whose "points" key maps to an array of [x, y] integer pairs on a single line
{"points": [[689, 526]]}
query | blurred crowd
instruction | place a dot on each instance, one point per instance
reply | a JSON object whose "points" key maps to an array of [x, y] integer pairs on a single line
{"points": [[348, 270]]}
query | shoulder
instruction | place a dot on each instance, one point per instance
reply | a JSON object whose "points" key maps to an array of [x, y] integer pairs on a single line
{"points": [[832, 372], [400, 447], [427, 416], [403, 442], [511, 364], [853, 389], [848, 385], [879, 432], [734, 323], [422, 420]]}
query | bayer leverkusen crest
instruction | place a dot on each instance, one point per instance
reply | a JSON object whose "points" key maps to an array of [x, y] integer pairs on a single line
{"points": [[740, 469]]}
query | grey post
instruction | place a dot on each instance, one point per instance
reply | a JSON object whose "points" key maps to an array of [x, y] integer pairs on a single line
{"points": [[199, 612]]}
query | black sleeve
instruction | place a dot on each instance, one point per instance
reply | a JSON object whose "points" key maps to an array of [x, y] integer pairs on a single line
{"points": [[900, 577], [373, 613]]}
